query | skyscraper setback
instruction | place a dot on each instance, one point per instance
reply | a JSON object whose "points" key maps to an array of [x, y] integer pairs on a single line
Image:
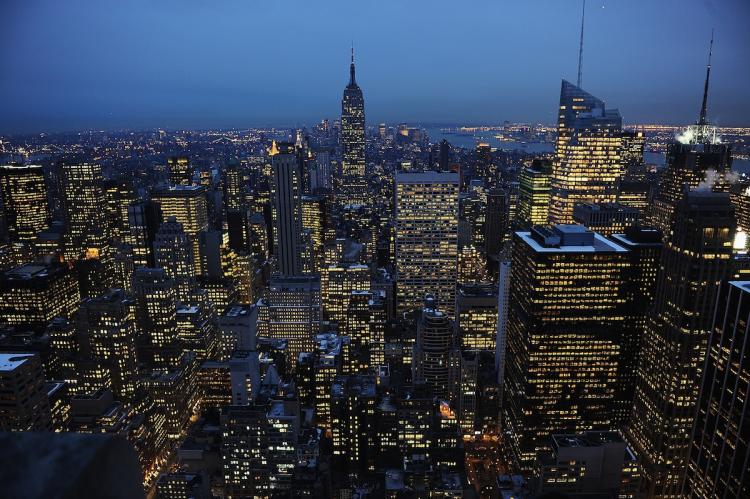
{"points": [[410, 310], [587, 161], [694, 261], [353, 185]]}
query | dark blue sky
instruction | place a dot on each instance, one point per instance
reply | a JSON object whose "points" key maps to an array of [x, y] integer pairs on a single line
{"points": [[234, 63]]}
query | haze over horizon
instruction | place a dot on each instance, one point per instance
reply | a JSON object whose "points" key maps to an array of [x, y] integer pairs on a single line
{"points": [[194, 65]]}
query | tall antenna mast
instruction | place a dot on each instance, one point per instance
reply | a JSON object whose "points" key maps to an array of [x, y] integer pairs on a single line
{"points": [[704, 106], [580, 49]]}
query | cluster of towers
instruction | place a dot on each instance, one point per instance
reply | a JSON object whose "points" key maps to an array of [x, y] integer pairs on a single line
{"points": [[305, 323]]}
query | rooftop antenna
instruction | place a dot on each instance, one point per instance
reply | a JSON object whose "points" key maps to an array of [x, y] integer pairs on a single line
{"points": [[580, 48], [702, 119]]}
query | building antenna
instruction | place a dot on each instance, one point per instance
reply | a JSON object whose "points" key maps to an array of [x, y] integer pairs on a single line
{"points": [[580, 48], [702, 119]]}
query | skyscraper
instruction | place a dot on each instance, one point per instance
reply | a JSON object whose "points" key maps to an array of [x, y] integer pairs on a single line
{"points": [[436, 357], [173, 252], [187, 204], [290, 310], [144, 219], [533, 193], [156, 301], [24, 201], [180, 170], [353, 185], [287, 204], [694, 261], [720, 449], [336, 284], [84, 202], [587, 161], [567, 317], [426, 239], [24, 405], [31, 295], [697, 157], [497, 221], [106, 330], [476, 315]]}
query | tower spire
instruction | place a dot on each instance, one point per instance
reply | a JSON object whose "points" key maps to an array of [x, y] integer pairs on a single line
{"points": [[580, 48], [702, 118], [352, 81]]}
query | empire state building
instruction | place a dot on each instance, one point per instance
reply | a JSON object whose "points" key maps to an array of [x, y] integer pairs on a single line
{"points": [[352, 187]]}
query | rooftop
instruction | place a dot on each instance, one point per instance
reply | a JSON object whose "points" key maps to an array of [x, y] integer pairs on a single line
{"points": [[10, 361], [568, 238], [30, 271], [429, 177]]}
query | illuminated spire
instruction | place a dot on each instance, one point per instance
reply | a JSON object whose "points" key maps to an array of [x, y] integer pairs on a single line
{"points": [[352, 81], [580, 48], [702, 119], [274, 150]]}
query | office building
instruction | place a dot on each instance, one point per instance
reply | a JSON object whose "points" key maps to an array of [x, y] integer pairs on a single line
{"points": [[365, 326], [106, 332], [313, 212], [33, 294], [533, 193], [174, 389], [244, 450], [24, 405], [180, 170], [24, 201], [336, 284], [85, 217], [568, 309], [436, 358], [173, 252], [720, 448], [287, 209], [187, 204], [605, 218], [197, 329], [697, 158], [144, 219], [590, 464], [352, 188], [476, 315], [426, 242], [290, 310], [695, 260], [156, 312], [588, 161]]}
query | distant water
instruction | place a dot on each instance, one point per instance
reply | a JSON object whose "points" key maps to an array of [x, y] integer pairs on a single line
{"points": [[469, 141]]}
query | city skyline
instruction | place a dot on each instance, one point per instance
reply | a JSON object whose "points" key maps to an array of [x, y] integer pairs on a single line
{"points": [[367, 308], [153, 66]]}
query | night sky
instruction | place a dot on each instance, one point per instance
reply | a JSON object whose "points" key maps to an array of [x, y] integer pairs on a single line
{"points": [[105, 64]]}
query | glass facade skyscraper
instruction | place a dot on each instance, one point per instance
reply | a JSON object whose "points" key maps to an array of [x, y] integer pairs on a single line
{"points": [[587, 161]]}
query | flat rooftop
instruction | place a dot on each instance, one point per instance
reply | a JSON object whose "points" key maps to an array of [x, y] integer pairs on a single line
{"points": [[238, 310], [29, 271], [594, 243], [10, 361], [429, 177]]}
